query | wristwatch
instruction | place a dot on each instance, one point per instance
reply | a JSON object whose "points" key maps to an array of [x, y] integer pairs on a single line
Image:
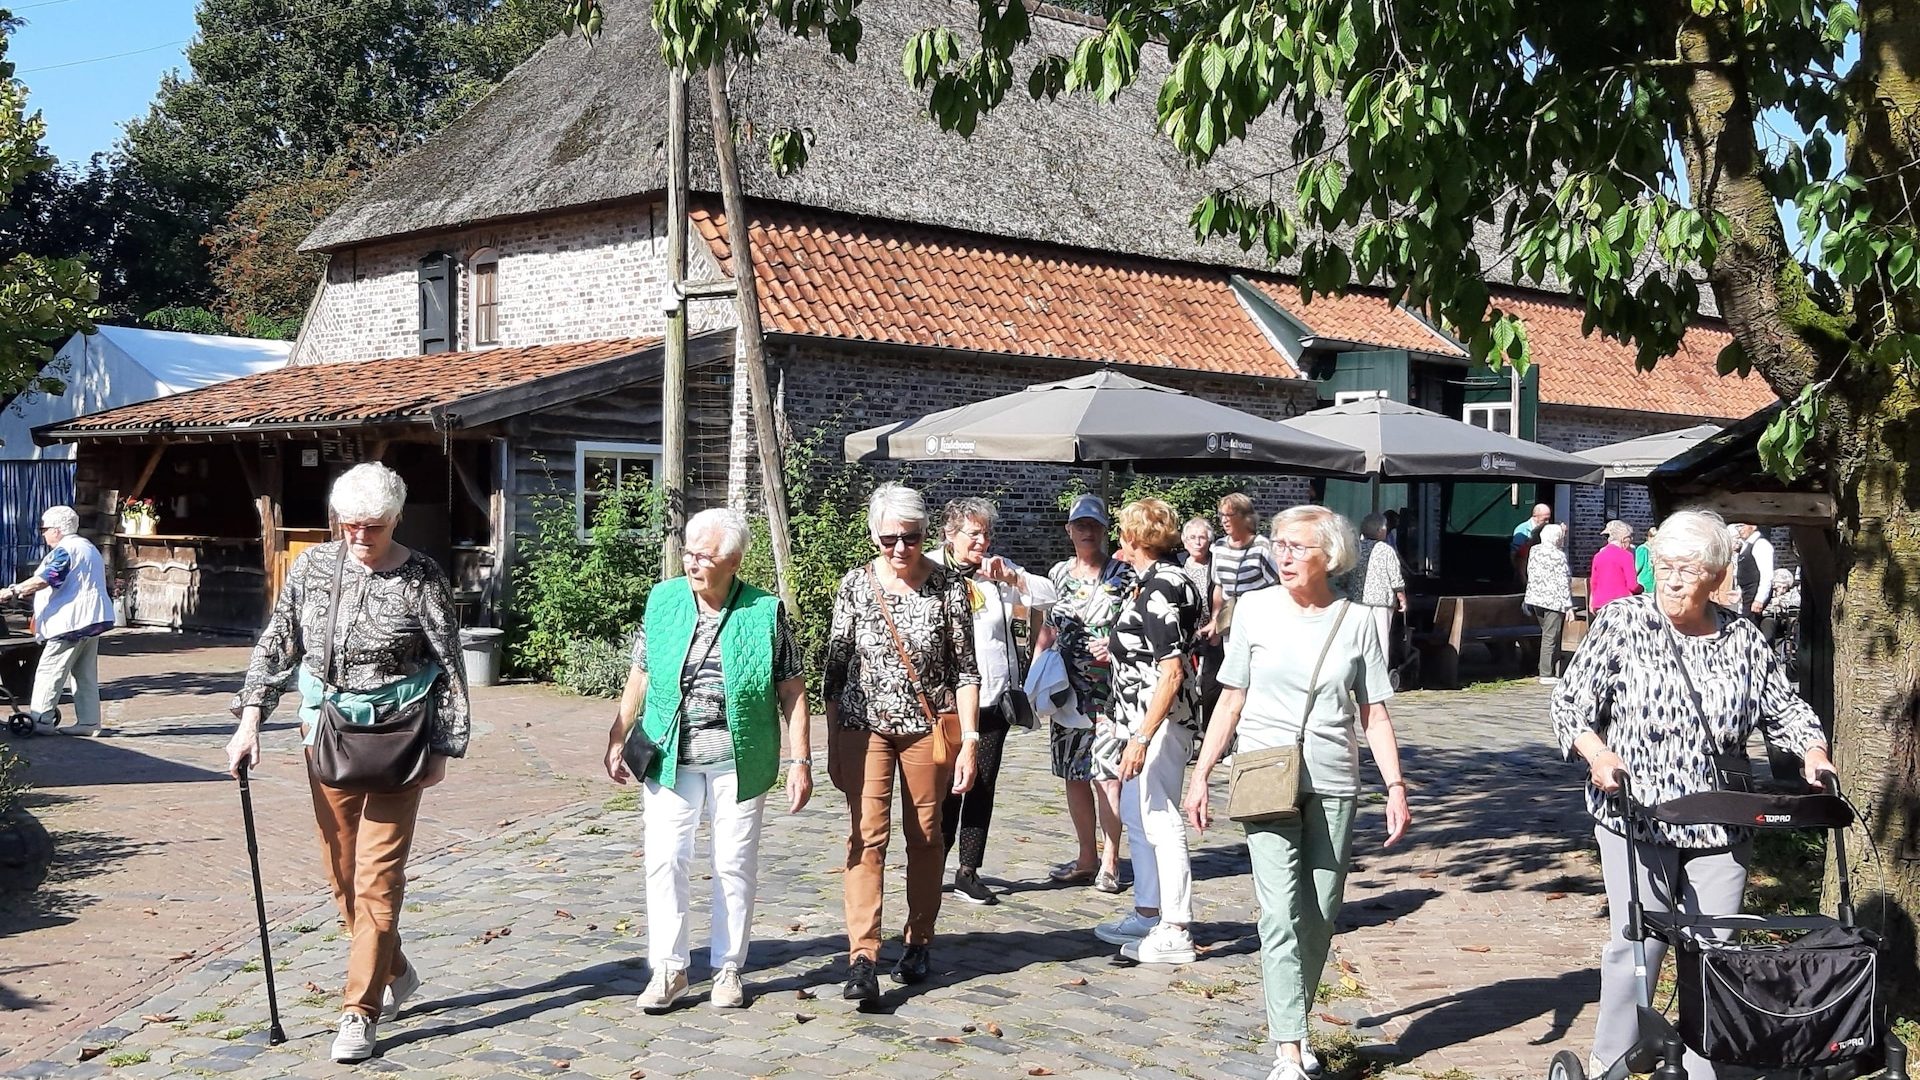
{"points": [[1140, 738], [969, 736]]}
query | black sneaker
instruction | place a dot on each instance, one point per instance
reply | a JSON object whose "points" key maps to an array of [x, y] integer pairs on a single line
{"points": [[863, 985], [913, 965], [968, 887]]}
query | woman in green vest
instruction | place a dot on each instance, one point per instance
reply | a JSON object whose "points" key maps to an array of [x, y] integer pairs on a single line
{"points": [[716, 670]]}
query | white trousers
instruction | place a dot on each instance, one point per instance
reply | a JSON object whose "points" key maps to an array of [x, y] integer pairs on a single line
{"points": [[1156, 830], [62, 660], [672, 816], [1383, 621]]}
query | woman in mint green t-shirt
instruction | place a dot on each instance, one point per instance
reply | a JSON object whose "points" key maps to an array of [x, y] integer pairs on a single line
{"points": [[1300, 864]]}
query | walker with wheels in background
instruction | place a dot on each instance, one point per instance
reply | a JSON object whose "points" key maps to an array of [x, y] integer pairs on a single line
{"points": [[1807, 1003]]}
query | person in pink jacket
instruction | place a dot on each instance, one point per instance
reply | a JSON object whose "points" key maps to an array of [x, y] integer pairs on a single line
{"points": [[1613, 575]]}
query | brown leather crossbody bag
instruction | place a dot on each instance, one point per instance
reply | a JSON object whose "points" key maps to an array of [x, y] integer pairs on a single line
{"points": [[387, 755]]}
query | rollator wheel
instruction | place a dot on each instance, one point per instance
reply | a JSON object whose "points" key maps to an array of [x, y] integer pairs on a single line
{"points": [[1567, 1066], [20, 724]]}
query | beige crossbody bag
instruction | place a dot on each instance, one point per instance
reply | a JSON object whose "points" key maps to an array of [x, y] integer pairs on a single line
{"points": [[1265, 784]]}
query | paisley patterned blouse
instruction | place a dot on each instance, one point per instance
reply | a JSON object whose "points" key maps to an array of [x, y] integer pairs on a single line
{"points": [[391, 623], [863, 669], [1625, 685]]}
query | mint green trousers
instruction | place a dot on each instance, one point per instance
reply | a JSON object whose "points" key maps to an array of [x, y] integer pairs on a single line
{"points": [[1299, 874]]}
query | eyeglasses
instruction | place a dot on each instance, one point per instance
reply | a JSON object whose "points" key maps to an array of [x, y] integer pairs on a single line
{"points": [[893, 540], [700, 558], [1288, 547], [1684, 571], [363, 527]]}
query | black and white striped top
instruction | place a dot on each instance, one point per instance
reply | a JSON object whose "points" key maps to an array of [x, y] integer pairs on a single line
{"points": [[1238, 570]]}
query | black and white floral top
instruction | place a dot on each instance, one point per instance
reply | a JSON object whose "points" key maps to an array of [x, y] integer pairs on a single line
{"points": [[1157, 622], [1625, 685], [1376, 577], [390, 625], [1549, 587], [864, 674]]}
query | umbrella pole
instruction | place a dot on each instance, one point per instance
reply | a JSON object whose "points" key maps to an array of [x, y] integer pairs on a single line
{"points": [[1106, 482], [1373, 487]]}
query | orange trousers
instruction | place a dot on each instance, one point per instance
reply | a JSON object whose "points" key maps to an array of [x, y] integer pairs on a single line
{"points": [[365, 839], [924, 786]]}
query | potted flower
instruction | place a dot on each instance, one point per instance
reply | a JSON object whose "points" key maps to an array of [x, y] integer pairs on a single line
{"points": [[138, 517], [25, 848]]}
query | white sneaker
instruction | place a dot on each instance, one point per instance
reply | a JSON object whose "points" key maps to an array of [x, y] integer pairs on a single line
{"points": [[1285, 1069], [1595, 1067], [1548, 680], [1125, 931], [398, 991], [1309, 1062], [727, 992], [355, 1041], [666, 988], [1166, 944]]}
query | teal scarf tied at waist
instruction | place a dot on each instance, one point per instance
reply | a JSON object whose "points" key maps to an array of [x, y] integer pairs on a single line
{"points": [[360, 707]]}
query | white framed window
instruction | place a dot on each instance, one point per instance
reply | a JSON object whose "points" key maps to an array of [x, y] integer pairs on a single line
{"points": [[1345, 397], [600, 468], [1492, 415], [483, 289]]}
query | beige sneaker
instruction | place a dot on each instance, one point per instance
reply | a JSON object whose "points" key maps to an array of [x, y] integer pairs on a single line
{"points": [[667, 987], [727, 991]]}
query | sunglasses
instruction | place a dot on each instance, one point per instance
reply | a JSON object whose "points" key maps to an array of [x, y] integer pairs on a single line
{"points": [[892, 540]]}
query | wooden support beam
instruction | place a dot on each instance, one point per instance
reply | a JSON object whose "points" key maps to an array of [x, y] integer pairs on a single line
{"points": [[724, 289], [377, 449], [249, 470], [468, 484], [146, 471]]}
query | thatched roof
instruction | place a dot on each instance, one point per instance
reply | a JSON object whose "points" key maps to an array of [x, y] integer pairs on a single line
{"points": [[579, 125]]}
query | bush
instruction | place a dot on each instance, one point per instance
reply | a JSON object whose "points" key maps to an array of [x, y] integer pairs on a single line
{"points": [[1190, 496], [13, 783], [568, 591], [595, 668]]}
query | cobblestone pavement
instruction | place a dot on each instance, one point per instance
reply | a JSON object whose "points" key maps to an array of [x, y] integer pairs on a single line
{"points": [[1471, 948]]}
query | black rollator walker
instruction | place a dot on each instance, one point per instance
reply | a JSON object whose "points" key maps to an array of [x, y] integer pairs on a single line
{"points": [[1751, 994]]}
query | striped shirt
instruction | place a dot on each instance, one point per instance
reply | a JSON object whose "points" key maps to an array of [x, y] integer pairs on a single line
{"points": [[1238, 570]]}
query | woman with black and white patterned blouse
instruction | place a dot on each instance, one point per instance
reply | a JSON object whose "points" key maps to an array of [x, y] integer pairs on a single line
{"points": [[1627, 703], [1147, 734], [902, 690]]}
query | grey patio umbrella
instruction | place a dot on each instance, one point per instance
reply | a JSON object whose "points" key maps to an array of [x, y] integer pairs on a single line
{"points": [[1107, 417], [1406, 443], [1635, 458]]}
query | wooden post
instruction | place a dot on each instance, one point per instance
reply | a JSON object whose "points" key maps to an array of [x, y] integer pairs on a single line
{"points": [[673, 380], [753, 346], [146, 472]]}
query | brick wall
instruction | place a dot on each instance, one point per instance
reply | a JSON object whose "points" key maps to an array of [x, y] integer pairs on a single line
{"points": [[570, 277], [845, 388]]}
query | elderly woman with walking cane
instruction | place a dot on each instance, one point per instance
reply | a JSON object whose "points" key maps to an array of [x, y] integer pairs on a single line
{"points": [[383, 707]]}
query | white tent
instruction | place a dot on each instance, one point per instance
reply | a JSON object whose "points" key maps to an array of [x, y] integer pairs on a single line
{"points": [[115, 366], [120, 365]]}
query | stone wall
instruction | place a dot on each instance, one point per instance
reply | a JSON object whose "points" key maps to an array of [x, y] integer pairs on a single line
{"points": [[571, 277]]}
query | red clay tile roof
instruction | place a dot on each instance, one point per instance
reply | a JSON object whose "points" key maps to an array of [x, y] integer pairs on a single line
{"points": [[399, 390], [1364, 318], [1598, 372], [831, 275]]}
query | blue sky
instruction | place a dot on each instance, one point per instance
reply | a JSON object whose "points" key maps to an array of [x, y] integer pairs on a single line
{"points": [[85, 104]]}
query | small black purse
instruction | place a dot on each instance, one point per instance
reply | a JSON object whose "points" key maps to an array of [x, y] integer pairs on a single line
{"points": [[1732, 769], [639, 752]]}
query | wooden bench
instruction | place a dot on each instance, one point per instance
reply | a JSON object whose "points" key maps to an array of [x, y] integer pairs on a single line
{"points": [[1491, 620]]}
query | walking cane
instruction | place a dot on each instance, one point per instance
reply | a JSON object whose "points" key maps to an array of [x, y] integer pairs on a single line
{"points": [[275, 1035]]}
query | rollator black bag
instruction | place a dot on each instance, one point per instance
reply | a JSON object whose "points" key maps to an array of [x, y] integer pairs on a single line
{"points": [[1810, 1002]]}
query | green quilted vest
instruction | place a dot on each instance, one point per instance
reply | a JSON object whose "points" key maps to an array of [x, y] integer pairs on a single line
{"points": [[746, 659]]}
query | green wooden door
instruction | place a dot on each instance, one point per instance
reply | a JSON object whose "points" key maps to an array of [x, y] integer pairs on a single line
{"points": [[1383, 371], [1494, 509]]}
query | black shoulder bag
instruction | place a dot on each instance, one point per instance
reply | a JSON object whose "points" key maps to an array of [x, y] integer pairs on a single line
{"points": [[1732, 769], [640, 752], [387, 755]]}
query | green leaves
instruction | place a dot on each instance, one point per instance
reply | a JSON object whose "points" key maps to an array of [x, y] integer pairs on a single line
{"points": [[1783, 445], [787, 150]]}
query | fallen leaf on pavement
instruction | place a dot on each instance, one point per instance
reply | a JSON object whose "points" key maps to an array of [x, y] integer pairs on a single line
{"points": [[637, 1074], [968, 1029], [1039, 1070], [152, 911], [953, 1039], [503, 823], [1476, 948], [1556, 896], [1077, 982], [993, 1029], [181, 956], [1429, 873], [1350, 983], [558, 1064], [314, 988], [1347, 966], [593, 926], [159, 1018], [802, 1018], [795, 928], [88, 1053], [1336, 1020], [562, 913]]}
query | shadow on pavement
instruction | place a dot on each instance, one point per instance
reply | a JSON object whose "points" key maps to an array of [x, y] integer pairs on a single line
{"points": [[1457, 1018], [76, 762]]}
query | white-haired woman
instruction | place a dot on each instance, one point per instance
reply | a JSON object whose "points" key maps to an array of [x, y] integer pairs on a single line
{"points": [[71, 609], [717, 684], [996, 587], [1196, 536], [902, 690], [1549, 595], [1661, 685], [1377, 581], [1272, 698], [394, 642], [1613, 574]]}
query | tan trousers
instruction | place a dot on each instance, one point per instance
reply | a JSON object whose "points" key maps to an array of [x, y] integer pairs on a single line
{"points": [[924, 787], [365, 839]]}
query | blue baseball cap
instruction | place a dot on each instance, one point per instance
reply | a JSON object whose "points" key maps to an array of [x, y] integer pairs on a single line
{"points": [[1090, 506]]}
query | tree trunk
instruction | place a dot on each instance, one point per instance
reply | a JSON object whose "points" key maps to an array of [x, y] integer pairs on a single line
{"points": [[673, 379], [753, 345]]}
